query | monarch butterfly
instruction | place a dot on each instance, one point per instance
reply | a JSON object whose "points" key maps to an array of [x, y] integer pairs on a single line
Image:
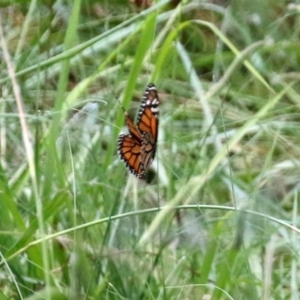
{"points": [[137, 149]]}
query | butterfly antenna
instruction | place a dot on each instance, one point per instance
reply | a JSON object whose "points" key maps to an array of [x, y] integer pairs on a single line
{"points": [[124, 110]]}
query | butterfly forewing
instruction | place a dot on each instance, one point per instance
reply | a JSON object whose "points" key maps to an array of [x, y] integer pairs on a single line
{"points": [[134, 132], [149, 112], [137, 149]]}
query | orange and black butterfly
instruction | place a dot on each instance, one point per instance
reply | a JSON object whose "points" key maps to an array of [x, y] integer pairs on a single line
{"points": [[137, 149]]}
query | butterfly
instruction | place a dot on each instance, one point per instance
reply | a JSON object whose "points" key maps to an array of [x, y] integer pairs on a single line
{"points": [[137, 149]]}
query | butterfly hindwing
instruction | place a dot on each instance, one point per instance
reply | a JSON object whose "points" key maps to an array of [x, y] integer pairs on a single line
{"points": [[147, 150], [129, 151]]}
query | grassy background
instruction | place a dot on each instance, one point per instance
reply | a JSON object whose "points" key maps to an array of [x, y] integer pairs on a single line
{"points": [[75, 225]]}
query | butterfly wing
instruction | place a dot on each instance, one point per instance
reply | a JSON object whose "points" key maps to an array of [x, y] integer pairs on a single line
{"points": [[129, 150], [148, 125], [147, 151], [149, 112], [133, 131], [137, 149]]}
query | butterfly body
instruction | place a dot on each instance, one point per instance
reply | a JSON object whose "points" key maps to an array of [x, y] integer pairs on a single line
{"points": [[137, 149]]}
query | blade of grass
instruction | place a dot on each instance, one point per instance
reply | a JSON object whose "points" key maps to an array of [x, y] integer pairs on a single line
{"points": [[236, 52], [153, 210]]}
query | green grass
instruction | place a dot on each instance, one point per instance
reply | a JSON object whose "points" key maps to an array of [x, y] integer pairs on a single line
{"points": [[216, 218]]}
